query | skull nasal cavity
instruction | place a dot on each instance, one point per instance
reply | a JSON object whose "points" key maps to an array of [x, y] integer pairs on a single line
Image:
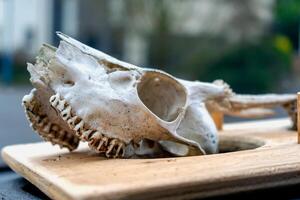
{"points": [[162, 95]]}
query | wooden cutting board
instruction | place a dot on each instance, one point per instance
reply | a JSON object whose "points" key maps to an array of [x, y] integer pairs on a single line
{"points": [[83, 175]]}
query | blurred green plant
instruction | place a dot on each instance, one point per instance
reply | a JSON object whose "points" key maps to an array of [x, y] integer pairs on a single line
{"points": [[283, 44], [287, 20], [249, 67], [21, 75], [253, 68], [258, 67]]}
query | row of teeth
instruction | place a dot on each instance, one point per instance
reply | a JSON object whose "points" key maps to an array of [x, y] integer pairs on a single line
{"points": [[52, 132], [112, 147]]}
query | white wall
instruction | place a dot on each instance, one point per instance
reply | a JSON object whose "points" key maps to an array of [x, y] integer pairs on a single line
{"points": [[22, 16], [1, 16]]}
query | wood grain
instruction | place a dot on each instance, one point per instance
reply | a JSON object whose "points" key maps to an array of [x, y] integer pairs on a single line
{"points": [[83, 175]]}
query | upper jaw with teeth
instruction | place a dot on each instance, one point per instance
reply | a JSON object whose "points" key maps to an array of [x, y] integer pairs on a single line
{"points": [[45, 122], [112, 147]]}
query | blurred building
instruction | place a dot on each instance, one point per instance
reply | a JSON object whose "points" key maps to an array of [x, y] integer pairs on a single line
{"points": [[111, 25], [28, 23]]}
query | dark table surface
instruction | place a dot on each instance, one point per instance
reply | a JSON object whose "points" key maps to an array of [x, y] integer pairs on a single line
{"points": [[14, 187]]}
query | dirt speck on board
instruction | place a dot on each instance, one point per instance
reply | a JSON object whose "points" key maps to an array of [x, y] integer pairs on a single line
{"points": [[58, 158]]}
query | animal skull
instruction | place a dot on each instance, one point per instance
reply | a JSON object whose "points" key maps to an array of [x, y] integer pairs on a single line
{"points": [[119, 109]]}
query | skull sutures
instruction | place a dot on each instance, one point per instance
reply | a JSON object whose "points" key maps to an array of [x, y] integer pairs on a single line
{"points": [[119, 109]]}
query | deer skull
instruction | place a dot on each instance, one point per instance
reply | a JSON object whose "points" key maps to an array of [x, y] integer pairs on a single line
{"points": [[119, 109]]}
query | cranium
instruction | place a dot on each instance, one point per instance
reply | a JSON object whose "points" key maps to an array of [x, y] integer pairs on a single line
{"points": [[119, 109]]}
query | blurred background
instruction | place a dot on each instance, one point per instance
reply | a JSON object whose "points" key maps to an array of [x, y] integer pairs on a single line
{"points": [[252, 45]]}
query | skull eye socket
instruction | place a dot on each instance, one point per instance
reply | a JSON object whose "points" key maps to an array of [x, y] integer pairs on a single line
{"points": [[162, 95], [69, 83]]}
